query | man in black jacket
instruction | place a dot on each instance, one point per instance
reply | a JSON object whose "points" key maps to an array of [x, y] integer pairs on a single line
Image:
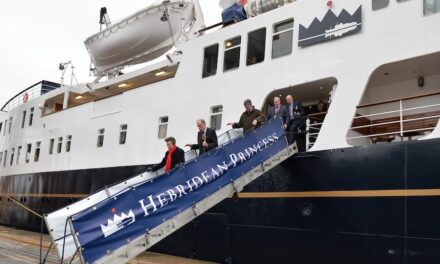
{"points": [[173, 157], [206, 138]]}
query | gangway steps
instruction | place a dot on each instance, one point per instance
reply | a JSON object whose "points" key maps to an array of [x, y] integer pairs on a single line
{"points": [[137, 246]]}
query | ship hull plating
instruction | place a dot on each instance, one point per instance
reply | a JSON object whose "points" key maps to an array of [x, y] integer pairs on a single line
{"points": [[369, 204]]}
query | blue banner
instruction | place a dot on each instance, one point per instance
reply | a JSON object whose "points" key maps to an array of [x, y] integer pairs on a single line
{"points": [[128, 215]]}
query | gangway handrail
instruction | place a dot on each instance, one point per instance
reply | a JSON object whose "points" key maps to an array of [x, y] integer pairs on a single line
{"points": [[105, 192]]}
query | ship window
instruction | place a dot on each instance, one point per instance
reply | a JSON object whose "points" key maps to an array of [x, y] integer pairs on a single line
{"points": [[216, 117], [31, 116], [23, 120], [431, 7], [51, 144], [100, 142], [210, 61], [163, 127], [232, 54], [28, 152], [379, 4], [60, 145], [1, 126], [282, 39], [37, 151], [12, 157], [10, 125], [6, 127], [256, 46], [5, 158], [68, 143], [1, 156], [123, 134], [18, 155]]}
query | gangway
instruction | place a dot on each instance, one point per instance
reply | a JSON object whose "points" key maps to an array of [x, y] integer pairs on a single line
{"points": [[122, 221]]}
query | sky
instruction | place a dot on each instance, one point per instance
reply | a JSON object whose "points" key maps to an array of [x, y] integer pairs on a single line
{"points": [[37, 35]]}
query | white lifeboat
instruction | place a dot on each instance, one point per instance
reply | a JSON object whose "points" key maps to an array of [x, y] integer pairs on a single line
{"points": [[143, 36]]}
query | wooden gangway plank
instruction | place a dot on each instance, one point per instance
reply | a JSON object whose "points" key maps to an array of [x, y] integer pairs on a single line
{"points": [[21, 246]]}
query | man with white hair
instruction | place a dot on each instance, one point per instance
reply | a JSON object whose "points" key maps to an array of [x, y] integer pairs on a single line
{"points": [[206, 138]]}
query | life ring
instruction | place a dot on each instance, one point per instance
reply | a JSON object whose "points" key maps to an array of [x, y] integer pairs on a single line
{"points": [[25, 97]]}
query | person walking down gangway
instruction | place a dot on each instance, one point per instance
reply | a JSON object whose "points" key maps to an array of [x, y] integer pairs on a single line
{"points": [[250, 119], [295, 123], [173, 157], [206, 138], [277, 110]]}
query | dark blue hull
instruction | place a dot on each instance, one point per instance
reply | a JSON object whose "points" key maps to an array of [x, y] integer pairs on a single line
{"points": [[369, 204]]}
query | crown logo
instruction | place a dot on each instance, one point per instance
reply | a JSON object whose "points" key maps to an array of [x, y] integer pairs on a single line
{"points": [[119, 222]]}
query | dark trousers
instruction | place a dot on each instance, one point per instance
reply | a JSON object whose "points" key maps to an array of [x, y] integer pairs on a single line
{"points": [[295, 134]]}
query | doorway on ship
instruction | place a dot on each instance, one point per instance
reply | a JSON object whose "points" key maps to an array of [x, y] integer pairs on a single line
{"points": [[315, 97], [401, 102]]}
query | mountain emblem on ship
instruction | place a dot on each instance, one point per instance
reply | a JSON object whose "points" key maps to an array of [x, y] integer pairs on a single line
{"points": [[117, 223], [331, 27]]}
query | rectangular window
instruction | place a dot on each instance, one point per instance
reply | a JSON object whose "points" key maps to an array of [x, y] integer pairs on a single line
{"points": [[28, 152], [210, 60], [12, 157], [60, 145], [37, 151], [163, 126], [379, 4], [282, 39], [51, 144], [122, 134], [10, 125], [68, 143], [232, 54], [256, 46], [23, 120], [5, 158], [216, 117], [431, 7], [6, 127], [31, 116], [1, 156], [100, 142], [18, 155], [1, 126]]}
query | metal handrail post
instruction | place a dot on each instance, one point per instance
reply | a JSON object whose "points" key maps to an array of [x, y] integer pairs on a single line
{"points": [[401, 119], [307, 133]]}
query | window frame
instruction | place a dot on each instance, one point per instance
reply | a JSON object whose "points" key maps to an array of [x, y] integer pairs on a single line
{"points": [[28, 152], [248, 63], [68, 143], [216, 61], [100, 139], [280, 33], [59, 145], [424, 13], [31, 116], [17, 160], [165, 124], [226, 49], [23, 120], [5, 158], [215, 115], [11, 159], [37, 151], [51, 145], [123, 134]]}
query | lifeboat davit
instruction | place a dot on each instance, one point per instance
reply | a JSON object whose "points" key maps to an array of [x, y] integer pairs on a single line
{"points": [[143, 36]]}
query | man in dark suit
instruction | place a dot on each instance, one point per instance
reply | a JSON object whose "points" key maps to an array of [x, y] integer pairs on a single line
{"points": [[295, 123], [277, 110], [173, 157], [206, 138]]}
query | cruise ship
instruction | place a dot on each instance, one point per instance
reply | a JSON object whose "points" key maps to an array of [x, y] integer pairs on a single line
{"points": [[366, 188]]}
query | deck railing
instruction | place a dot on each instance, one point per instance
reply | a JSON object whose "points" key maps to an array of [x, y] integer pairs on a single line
{"points": [[313, 127], [29, 93], [405, 117]]}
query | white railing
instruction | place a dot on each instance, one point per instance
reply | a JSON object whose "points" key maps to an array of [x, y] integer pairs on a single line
{"points": [[421, 115], [26, 95], [313, 127]]}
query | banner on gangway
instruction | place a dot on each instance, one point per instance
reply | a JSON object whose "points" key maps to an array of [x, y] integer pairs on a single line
{"points": [[109, 225]]}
